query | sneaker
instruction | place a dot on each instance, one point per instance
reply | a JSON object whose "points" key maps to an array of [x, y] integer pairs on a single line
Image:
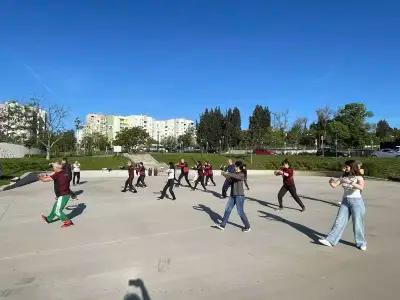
{"points": [[123, 191], [246, 229], [303, 209], [44, 218], [160, 198], [325, 242], [173, 198], [135, 191], [219, 226], [67, 224], [363, 248]]}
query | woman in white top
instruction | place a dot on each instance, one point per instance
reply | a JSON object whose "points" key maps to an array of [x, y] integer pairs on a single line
{"points": [[77, 172], [170, 183], [352, 205]]}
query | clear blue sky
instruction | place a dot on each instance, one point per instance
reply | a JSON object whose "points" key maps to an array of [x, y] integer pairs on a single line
{"points": [[174, 58]]}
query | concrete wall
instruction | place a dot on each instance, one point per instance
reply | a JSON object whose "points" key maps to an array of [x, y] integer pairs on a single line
{"points": [[16, 151]]}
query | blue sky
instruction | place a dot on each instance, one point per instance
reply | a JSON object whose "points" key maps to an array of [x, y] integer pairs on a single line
{"points": [[174, 58]]}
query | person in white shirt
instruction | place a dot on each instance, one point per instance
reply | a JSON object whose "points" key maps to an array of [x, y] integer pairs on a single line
{"points": [[170, 183], [77, 172], [351, 205]]}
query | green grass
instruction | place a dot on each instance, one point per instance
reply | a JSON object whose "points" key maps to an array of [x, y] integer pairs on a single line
{"points": [[376, 167], [17, 166]]}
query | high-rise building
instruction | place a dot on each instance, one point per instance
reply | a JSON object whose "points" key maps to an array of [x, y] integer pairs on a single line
{"points": [[110, 125]]}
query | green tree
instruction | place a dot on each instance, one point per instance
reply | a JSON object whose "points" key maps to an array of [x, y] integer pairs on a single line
{"points": [[188, 138], [259, 123], [354, 116], [297, 132], [232, 128], [384, 131], [210, 129], [67, 143], [170, 143], [131, 138]]}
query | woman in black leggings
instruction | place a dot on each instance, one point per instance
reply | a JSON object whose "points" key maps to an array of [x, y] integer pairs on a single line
{"points": [[170, 183]]}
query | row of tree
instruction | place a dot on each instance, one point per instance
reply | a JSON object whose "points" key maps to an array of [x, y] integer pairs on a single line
{"points": [[348, 127]]}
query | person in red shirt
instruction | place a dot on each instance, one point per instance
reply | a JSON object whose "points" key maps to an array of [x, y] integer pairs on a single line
{"points": [[184, 172], [208, 169], [131, 176], [288, 184], [142, 174], [61, 189]]}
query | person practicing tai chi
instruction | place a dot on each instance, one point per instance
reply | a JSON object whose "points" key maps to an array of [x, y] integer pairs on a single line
{"points": [[77, 173], [184, 172], [287, 174], [68, 170], [208, 170], [170, 182], [131, 176], [227, 183], [237, 197], [62, 191], [352, 205], [200, 176], [142, 175]]}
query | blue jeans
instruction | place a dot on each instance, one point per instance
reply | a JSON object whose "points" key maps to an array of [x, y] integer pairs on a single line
{"points": [[239, 202], [355, 208]]}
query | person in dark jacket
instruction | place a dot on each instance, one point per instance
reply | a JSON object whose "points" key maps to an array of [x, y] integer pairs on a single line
{"points": [[200, 176], [131, 176], [230, 169], [287, 174], [237, 197], [245, 176], [208, 169], [66, 167], [184, 172], [142, 175]]}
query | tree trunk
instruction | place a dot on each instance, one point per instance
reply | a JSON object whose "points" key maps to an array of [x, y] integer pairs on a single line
{"points": [[47, 153]]}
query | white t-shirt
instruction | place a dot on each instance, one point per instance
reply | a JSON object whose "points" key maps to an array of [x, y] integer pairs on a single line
{"points": [[171, 173], [77, 168], [349, 190]]}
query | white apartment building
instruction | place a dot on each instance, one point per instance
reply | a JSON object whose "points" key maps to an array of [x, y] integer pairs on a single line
{"points": [[110, 125], [16, 120]]}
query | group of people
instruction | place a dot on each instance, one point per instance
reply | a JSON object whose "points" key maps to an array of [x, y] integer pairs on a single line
{"points": [[235, 174]]}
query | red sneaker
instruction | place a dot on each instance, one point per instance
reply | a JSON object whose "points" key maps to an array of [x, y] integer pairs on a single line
{"points": [[67, 224]]}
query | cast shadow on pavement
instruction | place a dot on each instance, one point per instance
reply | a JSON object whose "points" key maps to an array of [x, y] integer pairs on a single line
{"points": [[139, 284], [76, 210], [269, 204], [311, 233], [320, 200], [215, 217]]}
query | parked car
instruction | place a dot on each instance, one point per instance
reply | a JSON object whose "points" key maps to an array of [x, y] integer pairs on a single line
{"points": [[387, 152], [264, 152], [332, 153]]}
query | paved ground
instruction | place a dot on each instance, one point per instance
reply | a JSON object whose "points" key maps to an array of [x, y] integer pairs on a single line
{"points": [[172, 248]]}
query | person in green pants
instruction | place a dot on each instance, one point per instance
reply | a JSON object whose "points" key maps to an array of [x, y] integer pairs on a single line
{"points": [[61, 189]]}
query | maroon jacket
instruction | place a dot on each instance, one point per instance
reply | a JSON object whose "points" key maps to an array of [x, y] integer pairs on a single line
{"points": [[288, 176]]}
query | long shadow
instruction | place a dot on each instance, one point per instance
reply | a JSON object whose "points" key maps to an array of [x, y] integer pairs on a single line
{"points": [[76, 210], [138, 283], [269, 204], [83, 182], [215, 217], [78, 192], [320, 200], [311, 233], [215, 194]]}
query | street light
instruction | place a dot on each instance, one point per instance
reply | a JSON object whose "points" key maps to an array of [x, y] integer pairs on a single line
{"points": [[322, 145], [220, 146]]}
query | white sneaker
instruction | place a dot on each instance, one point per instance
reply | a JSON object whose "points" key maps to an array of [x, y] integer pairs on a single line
{"points": [[246, 229], [325, 242], [363, 248], [219, 226]]}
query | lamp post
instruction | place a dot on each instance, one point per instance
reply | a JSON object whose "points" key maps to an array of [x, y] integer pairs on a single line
{"points": [[220, 146], [322, 145]]}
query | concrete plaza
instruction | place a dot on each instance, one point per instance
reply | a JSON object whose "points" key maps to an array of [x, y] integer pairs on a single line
{"points": [[171, 247]]}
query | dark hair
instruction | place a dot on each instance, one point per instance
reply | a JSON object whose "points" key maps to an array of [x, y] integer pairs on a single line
{"points": [[199, 162], [65, 159], [186, 164], [171, 165], [285, 161], [244, 165], [354, 168], [239, 164]]}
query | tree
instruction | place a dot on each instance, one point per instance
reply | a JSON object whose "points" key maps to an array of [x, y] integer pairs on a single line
{"points": [[68, 142], [383, 131], [187, 139], [170, 143], [54, 125], [210, 129], [297, 132], [232, 128], [259, 124], [131, 138], [354, 116]]}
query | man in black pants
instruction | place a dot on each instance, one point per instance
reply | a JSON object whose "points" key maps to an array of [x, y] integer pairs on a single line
{"points": [[185, 174], [131, 172], [230, 169], [142, 174], [200, 178]]}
